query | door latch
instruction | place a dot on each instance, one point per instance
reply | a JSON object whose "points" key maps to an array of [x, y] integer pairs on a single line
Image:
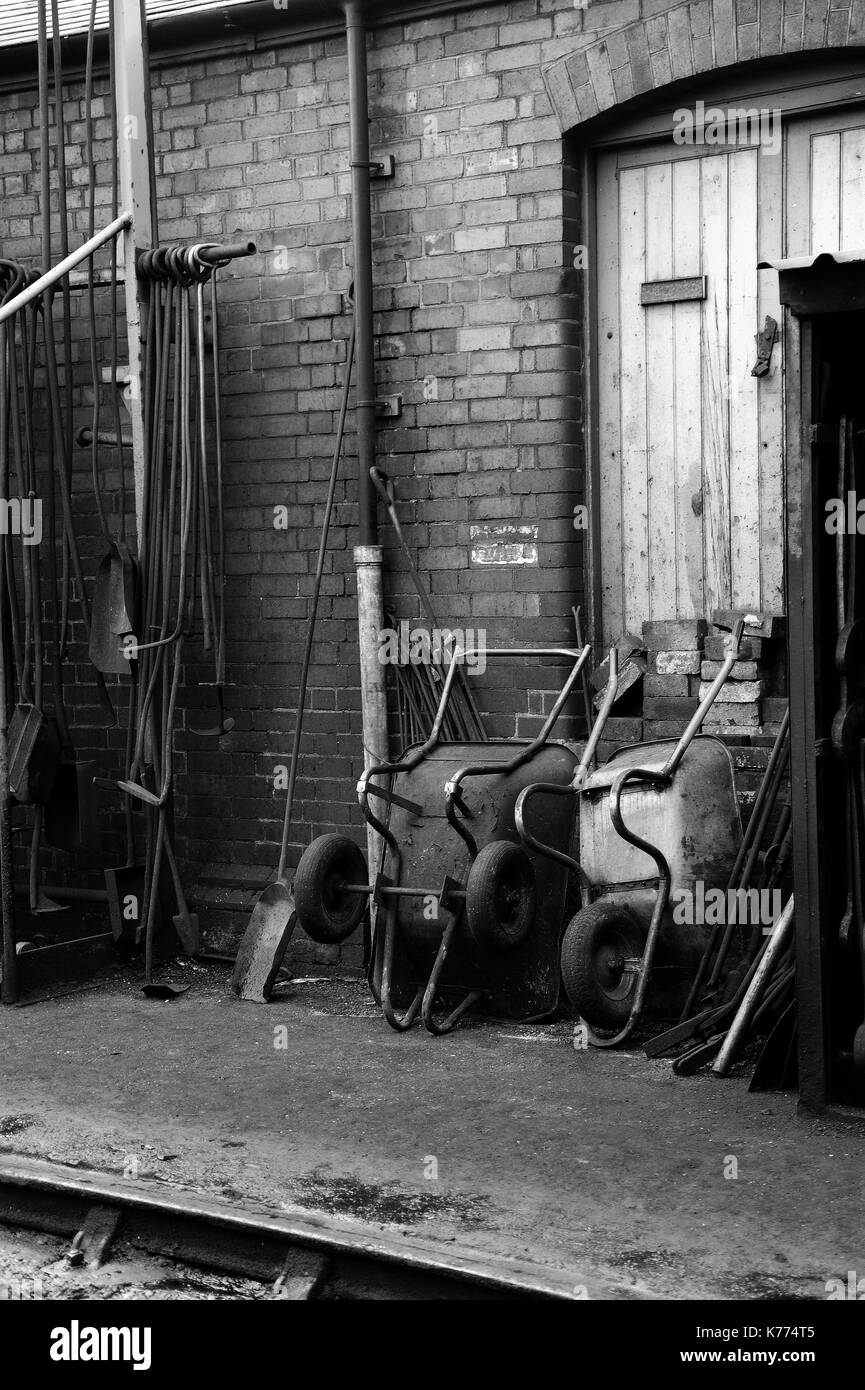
{"points": [[765, 340]]}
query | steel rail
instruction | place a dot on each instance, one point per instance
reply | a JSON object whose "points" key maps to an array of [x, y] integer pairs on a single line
{"points": [[198, 1229]]}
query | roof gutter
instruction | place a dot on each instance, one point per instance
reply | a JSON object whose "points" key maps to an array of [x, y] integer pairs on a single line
{"points": [[227, 28]]}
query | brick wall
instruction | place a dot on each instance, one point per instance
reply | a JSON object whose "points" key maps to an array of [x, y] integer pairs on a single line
{"points": [[478, 322], [479, 327]]}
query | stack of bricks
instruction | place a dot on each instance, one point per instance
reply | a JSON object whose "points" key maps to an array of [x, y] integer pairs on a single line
{"points": [[671, 685], [751, 704], [685, 656]]}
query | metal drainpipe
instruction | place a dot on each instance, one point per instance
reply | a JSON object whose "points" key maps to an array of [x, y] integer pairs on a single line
{"points": [[367, 553]]}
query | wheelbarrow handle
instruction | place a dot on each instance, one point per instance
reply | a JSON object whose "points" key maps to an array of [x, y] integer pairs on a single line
{"points": [[364, 789], [452, 787], [528, 839], [639, 774], [707, 701], [597, 728]]}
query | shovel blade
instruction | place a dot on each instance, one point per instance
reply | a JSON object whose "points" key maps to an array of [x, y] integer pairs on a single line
{"points": [[121, 586], [125, 889], [186, 926], [111, 618], [164, 991], [264, 943], [45, 904], [34, 755]]}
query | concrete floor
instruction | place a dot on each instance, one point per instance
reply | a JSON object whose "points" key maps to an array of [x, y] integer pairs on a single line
{"points": [[497, 1139]]}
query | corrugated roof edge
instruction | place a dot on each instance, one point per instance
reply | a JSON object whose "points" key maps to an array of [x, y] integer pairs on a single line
{"points": [[805, 262]]}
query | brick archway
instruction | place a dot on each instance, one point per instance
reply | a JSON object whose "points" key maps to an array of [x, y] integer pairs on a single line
{"points": [[690, 40]]}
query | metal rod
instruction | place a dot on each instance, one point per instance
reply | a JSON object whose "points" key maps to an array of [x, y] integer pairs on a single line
{"points": [[71, 895], [596, 730], [775, 948], [84, 438], [214, 255], [63, 267], [64, 945], [706, 703]]}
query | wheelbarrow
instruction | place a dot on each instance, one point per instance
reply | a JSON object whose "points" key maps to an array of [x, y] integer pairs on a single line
{"points": [[656, 820], [438, 934]]}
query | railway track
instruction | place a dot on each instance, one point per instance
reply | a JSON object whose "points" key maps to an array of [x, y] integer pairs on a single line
{"points": [[305, 1256]]}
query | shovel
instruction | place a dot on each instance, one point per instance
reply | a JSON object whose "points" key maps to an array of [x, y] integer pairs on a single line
{"points": [[113, 613], [273, 919], [113, 609], [39, 901]]}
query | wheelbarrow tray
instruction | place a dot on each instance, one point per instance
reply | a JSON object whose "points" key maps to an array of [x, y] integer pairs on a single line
{"points": [[522, 984], [694, 820]]}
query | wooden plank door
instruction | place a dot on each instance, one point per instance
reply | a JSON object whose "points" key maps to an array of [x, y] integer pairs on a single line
{"points": [[689, 443], [826, 183]]}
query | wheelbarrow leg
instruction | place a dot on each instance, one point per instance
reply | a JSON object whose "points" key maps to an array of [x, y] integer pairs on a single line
{"points": [[401, 1025], [453, 1018]]}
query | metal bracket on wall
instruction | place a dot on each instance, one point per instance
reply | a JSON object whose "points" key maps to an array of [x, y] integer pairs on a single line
{"points": [[388, 407], [382, 168]]}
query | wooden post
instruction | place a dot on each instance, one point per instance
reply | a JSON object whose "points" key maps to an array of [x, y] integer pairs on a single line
{"points": [[135, 166]]}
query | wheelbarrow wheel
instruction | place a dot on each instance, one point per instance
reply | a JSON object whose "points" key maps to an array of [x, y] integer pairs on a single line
{"points": [[326, 909], [598, 944], [500, 897]]}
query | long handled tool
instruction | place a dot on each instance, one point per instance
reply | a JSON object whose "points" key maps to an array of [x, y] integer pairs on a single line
{"points": [[215, 565], [470, 719], [274, 917], [777, 944]]}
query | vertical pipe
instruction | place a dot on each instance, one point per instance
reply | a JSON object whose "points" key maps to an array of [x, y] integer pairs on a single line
{"points": [[361, 226], [367, 553]]}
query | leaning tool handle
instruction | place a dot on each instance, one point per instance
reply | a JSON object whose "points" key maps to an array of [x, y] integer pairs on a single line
{"points": [[782, 933], [706, 703], [576, 785], [384, 487], [594, 738], [453, 795], [366, 788], [660, 778]]}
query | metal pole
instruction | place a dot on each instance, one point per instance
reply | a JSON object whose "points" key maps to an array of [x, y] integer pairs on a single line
{"points": [[136, 193], [367, 553], [63, 267]]}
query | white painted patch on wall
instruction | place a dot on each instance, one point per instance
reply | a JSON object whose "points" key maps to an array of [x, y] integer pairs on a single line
{"points": [[504, 545]]}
